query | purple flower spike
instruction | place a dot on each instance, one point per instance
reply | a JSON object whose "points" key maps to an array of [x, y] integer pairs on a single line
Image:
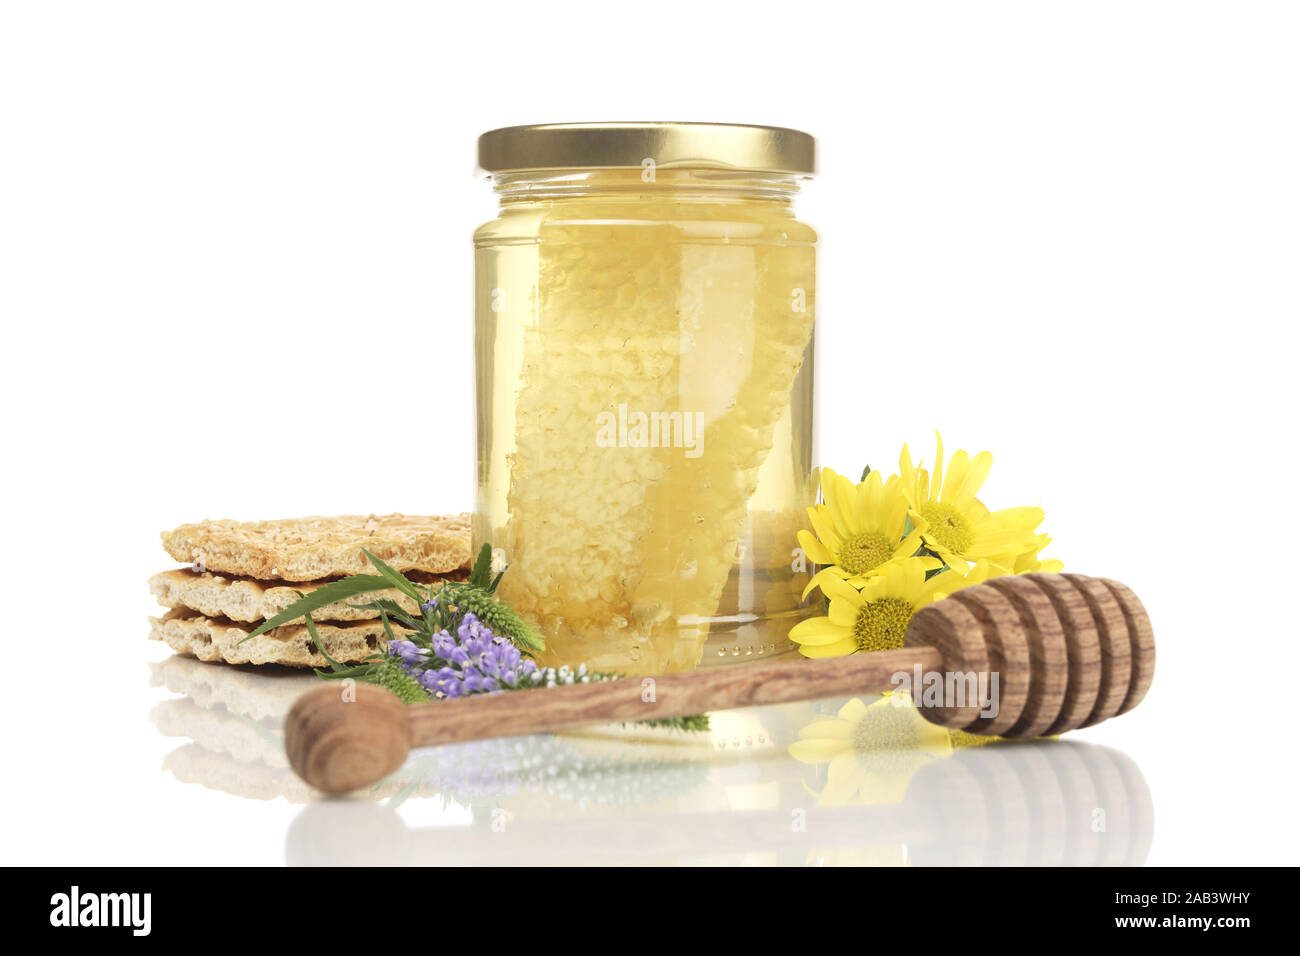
{"points": [[477, 662]]}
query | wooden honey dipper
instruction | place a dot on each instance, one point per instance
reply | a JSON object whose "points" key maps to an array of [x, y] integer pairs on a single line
{"points": [[1069, 651]]}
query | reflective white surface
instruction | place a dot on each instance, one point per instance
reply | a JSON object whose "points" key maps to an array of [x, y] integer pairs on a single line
{"points": [[870, 783], [166, 760]]}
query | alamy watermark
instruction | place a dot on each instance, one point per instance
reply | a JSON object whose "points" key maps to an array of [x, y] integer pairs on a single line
{"points": [[950, 689], [635, 429], [75, 908]]}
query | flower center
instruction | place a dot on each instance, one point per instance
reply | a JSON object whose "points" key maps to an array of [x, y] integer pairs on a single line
{"points": [[865, 552], [881, 624], [948, 526]]}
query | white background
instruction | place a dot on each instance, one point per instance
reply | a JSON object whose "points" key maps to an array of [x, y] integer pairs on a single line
{"points": [[235, 282]]}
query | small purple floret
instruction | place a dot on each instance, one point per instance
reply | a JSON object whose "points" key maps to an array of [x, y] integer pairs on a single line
{"points": [[476, 661]]}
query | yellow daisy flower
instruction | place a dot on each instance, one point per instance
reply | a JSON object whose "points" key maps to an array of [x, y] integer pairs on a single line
{"points": [[875, 618], [954, 523], [859, 528]]}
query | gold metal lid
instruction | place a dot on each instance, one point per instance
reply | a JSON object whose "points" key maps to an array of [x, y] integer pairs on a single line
{"points": [[590, 145]]}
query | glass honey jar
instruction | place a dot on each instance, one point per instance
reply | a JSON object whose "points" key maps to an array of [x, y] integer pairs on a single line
{"points": [[644, 351]]}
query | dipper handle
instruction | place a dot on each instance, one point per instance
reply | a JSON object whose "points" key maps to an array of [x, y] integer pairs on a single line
{"points": [[341, 738], [665, 695]]}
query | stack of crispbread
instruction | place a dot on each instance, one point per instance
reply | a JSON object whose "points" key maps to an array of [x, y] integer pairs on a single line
{"points": [[243, 573]]}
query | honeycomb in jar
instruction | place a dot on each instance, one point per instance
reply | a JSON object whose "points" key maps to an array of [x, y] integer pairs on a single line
{"points": [[617, 550]]}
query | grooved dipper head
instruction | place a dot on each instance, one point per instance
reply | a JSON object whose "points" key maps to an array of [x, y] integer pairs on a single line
{"points": [[1067, 650]]}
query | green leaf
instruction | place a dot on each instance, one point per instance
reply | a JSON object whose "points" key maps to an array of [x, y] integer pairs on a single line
{"points": [[388, 628], [356, 671], [935, 572], [865, 471], [481, 575], [311, 629], [392, 608], [323, 595], [384, 672], [397, 578]]}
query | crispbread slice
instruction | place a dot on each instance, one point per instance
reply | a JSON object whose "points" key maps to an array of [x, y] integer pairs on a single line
{"points": [[246, 600], [217, 639], [312, 548]]}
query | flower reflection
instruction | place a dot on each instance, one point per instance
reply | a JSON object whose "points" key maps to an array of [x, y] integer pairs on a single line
{"points": [[869, 753]]}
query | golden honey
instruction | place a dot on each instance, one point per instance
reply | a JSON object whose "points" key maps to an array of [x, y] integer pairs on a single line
{"points": [[644, 345]]}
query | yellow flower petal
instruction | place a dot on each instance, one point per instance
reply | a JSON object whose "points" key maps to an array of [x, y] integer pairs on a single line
{"points": [[817, 552], [834, 587], [842, 613], [822, 575], [956, 475], [833, 488], [973, 480], [824, 525], [817, 630], [838, 649], [1024, 519]]}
